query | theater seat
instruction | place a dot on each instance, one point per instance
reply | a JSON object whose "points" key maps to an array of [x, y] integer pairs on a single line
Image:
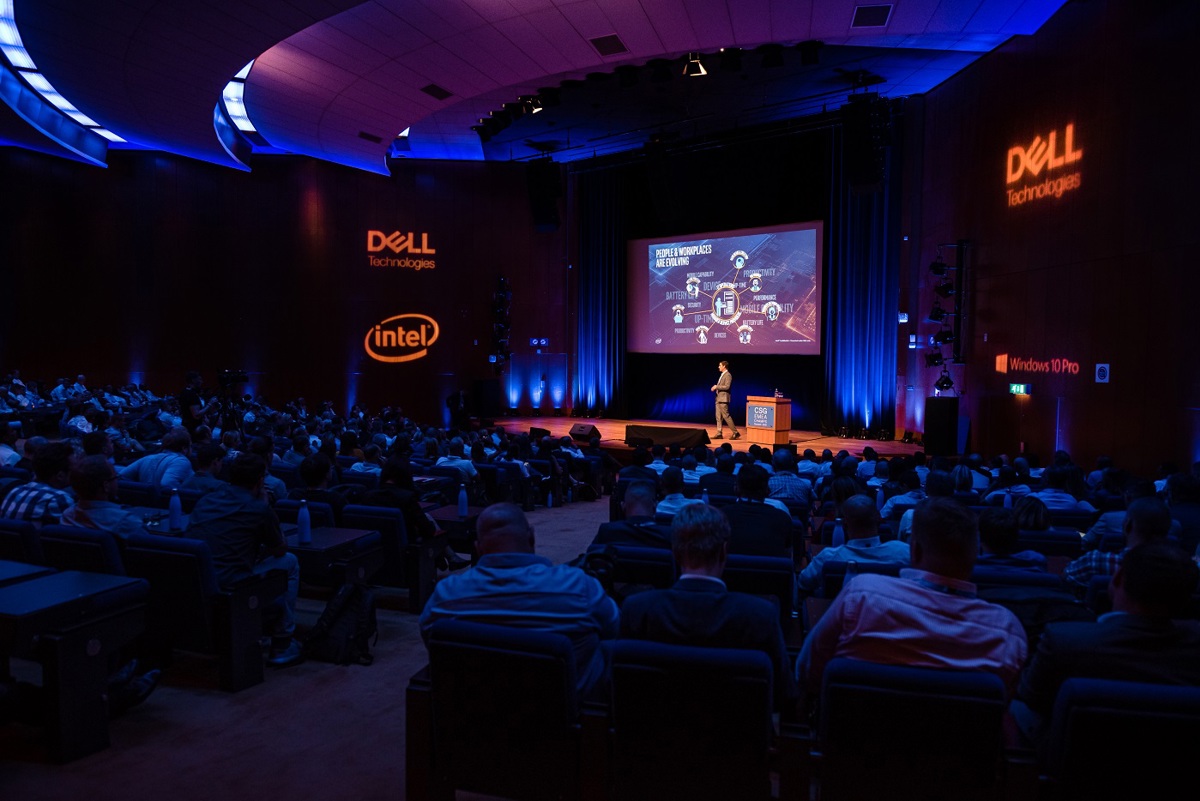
{"points": [[495, 712], [898, 732], [1122, 740], [90, 550], [19, 542], [690, 722]]}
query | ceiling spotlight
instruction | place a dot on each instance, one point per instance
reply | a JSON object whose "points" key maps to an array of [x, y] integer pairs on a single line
{"points": [[943, 337], [944, 383], [935, 359], [533, 102], [945, 289], [939, 267], [937, 313], [693, 68]]}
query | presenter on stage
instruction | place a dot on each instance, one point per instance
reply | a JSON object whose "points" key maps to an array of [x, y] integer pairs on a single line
{"points": [[722, 389]]}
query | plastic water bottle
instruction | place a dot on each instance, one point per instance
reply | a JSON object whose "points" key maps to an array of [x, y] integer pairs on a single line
{"points": [[704, 495], [463, 505], [176, 511], [303, 524]]}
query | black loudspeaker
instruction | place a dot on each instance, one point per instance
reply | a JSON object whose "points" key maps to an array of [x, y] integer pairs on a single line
{"points": [[941, 426], [536, 434], [583, 432], [865, 129]]}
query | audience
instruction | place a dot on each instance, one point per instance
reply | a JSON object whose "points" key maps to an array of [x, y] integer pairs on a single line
{"points": [[699, 610], [860, 521], [167, 469], [95, 484], [1146, 520], [638, 526], [758, 528], [512, 586], [44, 499], [928, 617], [1138, 641], [673, 497], [243, 533]]}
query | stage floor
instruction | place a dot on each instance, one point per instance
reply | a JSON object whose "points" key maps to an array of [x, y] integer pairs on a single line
{"points": [[612, 435]]}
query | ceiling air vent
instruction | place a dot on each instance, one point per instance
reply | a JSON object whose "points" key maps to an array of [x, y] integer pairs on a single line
{"points": [[871, 16], [436, 92], [610, 45]]}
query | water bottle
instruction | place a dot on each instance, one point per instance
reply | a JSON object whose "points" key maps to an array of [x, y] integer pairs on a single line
{"points": [[176, 510], [463, 506], [303, 524], [1008, 499], [704, 495]]}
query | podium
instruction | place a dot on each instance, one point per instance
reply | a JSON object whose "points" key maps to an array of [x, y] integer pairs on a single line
{"points": [[768, 419]]}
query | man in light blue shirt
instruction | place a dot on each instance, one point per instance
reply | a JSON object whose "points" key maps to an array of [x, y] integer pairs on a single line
{"points": [[860, 521]]}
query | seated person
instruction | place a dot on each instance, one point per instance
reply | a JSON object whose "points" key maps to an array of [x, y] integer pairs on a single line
{"points": [[1138, 641], [169, 468], [1146, 520], [1055, 495], [44, 499], [999, 536], [722, 481], [699, 611], [301, 449], [243, 534], [314, 472], [673, 497], [458, 460], [265, 450], [927, 617], [95, 483], [638, 526], [639, 469], [758, 528], [512, 586], [396, 491], [658, 461], [911, 496], [210, 459], [860, 521], [372, 461], [785, 483]]}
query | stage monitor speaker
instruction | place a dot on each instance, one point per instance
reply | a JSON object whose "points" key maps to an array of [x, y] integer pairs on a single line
{"points": [[536, 434], [941, 426], [583, 432]]}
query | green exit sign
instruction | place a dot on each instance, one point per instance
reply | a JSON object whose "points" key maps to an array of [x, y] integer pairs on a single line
{"points": [[1019, 389]]}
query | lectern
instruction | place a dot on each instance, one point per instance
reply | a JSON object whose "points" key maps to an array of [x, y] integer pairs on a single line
{"points": [[768, 419]]}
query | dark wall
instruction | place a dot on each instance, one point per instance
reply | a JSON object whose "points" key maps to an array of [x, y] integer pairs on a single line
{"points": [[158, 265], [1098, 275]]}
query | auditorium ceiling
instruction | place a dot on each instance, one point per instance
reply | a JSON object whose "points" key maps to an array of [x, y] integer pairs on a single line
{"points": [[339, 80]]}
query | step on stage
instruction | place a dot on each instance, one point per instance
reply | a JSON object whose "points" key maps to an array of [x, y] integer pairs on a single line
{"points": [[613, 433]]}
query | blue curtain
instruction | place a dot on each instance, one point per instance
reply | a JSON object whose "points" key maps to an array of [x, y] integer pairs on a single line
{"points": [[863, 300], [600, 338]]}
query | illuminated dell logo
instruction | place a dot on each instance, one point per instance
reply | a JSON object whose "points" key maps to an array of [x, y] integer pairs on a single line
{"points": [[403, 338]]}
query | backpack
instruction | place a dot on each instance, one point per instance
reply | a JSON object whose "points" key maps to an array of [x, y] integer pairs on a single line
{"points": [[343, 634]]}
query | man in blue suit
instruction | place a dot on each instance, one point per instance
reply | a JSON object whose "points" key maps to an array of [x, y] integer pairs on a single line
{"points": [[699, 611]]}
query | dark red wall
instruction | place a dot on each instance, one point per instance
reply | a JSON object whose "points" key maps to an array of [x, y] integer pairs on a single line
{"points": [[158, 265], [1103, 274]]}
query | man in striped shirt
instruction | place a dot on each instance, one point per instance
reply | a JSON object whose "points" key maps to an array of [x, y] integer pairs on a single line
{"points": [[44, 499]]}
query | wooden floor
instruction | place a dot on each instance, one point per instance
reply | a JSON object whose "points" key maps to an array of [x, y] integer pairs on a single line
{"points": [[612, 435]]}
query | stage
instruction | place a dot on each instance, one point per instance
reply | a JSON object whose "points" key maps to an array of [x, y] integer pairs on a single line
{"points": [[612, 435]]}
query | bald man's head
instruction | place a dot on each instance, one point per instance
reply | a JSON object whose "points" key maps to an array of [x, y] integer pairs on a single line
{"points": [[503, 528]]}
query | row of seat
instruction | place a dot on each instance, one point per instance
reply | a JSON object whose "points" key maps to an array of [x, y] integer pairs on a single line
{"points": [[186, 608], [495, 712]]}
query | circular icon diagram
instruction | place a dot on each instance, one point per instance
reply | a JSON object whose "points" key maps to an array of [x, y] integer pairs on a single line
{"points": [[727, 306]]}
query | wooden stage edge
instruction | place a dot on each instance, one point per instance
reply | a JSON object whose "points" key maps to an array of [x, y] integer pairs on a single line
{"points": [[612, 435]]}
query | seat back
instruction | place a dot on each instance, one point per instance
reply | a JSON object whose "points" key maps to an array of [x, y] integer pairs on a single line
{"points": [[138, 493], [771, 576], [393, 538], [183, 582], [1118, 739], [287, 473], [834, 574], [504, 700], [1051, 542], [319, 514], [19, 542], [91, 550], [690, 722], [637, 565], [365, 481], [892, 731]]}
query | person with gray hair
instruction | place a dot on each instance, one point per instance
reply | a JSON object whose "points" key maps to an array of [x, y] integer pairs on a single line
{"points": [[512, 586]]}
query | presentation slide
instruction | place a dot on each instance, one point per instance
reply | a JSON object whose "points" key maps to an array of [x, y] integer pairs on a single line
{"points": [[757, 290]]}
